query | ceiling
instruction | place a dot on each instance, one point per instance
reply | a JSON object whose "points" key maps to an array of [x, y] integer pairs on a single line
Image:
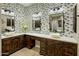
{"points": [[26, 4]]}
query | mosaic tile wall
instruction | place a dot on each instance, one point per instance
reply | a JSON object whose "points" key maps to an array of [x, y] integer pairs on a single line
{"points": [[44, 8], [24, 14], [19, 11]]}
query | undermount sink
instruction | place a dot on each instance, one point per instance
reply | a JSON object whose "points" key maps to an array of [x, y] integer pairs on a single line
{"points": [[8, 34], [55, 35]]}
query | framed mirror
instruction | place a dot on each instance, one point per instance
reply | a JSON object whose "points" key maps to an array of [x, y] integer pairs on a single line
{"points": [[56, 23], [7, 20], [36, 21], [75, 19], [10, 24]]}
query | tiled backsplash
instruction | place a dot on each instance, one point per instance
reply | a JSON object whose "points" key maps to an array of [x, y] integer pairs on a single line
{"points": [[25, 14], [44, 8], [19, 11]]}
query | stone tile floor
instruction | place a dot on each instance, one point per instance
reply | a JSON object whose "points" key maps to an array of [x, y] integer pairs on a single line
{"points": [[27, 52]]}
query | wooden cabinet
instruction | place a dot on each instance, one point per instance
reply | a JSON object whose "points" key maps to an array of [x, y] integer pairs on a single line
{"points": [[6, 46], [48, 47], [51, 47], [69, 49], [43, 48], [21, 42], [29, 42], [16, 43], [10, 45], [54, 47]]}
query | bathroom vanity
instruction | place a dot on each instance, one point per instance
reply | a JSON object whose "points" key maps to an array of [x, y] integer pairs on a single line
{"points": [[49, 46], [58, 48], [12, 44]]}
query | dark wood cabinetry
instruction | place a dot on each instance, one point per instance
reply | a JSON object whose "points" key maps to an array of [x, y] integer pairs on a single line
{"points": [[58, 48], [43, 48], [6, 46], [16, 43], [48, 47], [21, 42], [29, 42], [69, 49], [54, 47], [10, 45]]}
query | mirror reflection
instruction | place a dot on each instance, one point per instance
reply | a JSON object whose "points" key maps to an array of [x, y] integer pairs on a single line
{"points": [[7, 20], [56, 20], [36, 21]]}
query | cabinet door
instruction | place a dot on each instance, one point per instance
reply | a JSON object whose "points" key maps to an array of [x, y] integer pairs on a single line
{"points": [[21, 41], [10, 45], [54, 48], [43, 48], [69, 49], [29, 42], [6, 46], [50, 47], [58, 49], [26, 38], [49, 51], [16, 43]]}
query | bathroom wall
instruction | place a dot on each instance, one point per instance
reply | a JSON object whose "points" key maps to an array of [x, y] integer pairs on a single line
{"points": [[24, 14], [20, 16], [19, 11], [44, 8]]}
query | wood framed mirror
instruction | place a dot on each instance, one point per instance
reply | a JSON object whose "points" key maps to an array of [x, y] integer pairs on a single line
{"points": [[7, 20], [56, 22], [36, 21]]}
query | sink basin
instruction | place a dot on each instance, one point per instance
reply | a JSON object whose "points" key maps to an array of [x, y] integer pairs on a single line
{"points": [[55, 35], [9, 34]]}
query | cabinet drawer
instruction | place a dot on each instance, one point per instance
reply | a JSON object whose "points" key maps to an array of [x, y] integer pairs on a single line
{"points": [[53, 42], [69, 49]]}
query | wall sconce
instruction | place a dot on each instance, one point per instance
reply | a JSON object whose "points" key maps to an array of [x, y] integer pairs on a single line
{"points": [[36, 16], [56, 10]]}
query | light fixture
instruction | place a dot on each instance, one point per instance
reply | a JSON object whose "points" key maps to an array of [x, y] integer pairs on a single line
{"points": [[56, 10], [36, 16]]}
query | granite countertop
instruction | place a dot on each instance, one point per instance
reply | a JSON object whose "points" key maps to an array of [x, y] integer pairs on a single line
{"points": [[65, 39]]}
